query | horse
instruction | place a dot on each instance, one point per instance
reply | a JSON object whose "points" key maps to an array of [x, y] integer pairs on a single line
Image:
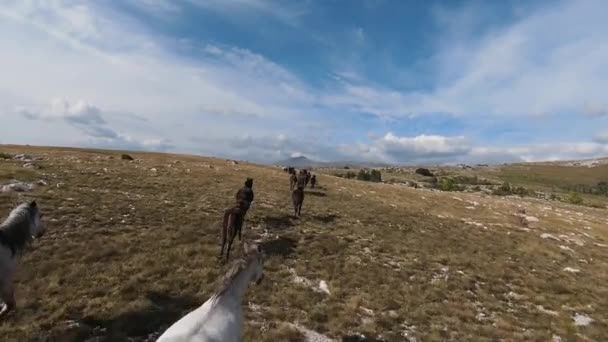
{"points": [[308, 174], [24, 223], [313, 181], [293, 179], [297, 197], [301, 180], [246, 193], [220, 318], [232, 225]]}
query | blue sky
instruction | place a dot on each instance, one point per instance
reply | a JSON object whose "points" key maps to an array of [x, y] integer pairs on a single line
{"points": [[262, 80]]}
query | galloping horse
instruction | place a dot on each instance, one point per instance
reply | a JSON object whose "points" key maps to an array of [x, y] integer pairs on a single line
{"points": [[297, 197], [232, 225], [293, 179], [22, 226], [246, 193], [220, 318]]}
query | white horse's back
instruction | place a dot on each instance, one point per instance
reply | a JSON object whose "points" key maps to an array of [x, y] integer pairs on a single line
{"points": [[211, 322], [220, 318]]}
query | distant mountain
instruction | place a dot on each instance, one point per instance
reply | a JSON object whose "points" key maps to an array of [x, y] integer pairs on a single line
{"points": [[300, 162], [303, 162]]}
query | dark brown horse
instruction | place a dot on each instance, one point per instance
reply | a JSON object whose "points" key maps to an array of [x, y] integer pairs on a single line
{"points": [[301, 180], [293, 179], [246, 193], [297, 197], [308, 175], [232, 225], [313, 181]]}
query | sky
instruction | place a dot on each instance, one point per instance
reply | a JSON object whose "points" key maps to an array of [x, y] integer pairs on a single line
{"points": [[403, 82]]}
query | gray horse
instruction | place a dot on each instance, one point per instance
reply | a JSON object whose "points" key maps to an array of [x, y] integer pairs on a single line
{"points": [[22, 226]]}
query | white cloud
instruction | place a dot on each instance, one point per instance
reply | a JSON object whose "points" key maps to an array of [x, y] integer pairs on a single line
{"points": [[601, 138], [141, 92], [83, 51], [541, 152], [394, 149], [550, 61]]}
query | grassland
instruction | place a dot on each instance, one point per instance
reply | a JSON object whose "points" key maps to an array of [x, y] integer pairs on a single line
{"points": [[132, 246]]}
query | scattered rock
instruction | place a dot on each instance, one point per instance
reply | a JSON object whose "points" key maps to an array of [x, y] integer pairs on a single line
{"points": [[23, 157], [367, 311], [30, 166], [582, 320], [17, 187], [571, 270], [545, 311], [566, 248], [323, 287], [310, 335], [549, 236], [153, 169], [126, 157]]}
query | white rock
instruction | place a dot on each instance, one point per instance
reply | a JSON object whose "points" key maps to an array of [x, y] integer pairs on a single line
{"points": [[582, 320], [566, 248], [549, 236], [545, 311], [571, 270], [323, 287]]}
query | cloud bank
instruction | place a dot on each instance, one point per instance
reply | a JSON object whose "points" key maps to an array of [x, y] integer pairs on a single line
{"points": [[92, 74]]}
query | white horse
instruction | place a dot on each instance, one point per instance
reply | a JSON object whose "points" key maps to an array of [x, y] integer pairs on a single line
{"points": [[22, 225], [220, 318]]}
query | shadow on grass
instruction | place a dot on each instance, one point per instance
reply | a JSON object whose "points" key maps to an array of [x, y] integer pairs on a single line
{"points": [[314, 193], [279, 222], [143, 325], [328, 218], [283, 246]]}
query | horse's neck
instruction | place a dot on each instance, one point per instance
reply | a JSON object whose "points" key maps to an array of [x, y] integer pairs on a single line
{"points": [[237, 288]]}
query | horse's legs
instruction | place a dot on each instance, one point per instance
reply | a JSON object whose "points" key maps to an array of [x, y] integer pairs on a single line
{"points": [[8, 297], [223, 241], [231, 239]]}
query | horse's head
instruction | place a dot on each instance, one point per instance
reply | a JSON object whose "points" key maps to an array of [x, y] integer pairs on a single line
{"points": [[255, 251], [37, 228], [249, 182]]}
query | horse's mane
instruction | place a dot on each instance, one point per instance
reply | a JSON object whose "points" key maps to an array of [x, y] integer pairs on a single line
{"points": [[237, 267], [16, 228]]}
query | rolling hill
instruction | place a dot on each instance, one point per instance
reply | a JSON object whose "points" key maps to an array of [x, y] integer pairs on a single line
{"points": [[132, 245]]}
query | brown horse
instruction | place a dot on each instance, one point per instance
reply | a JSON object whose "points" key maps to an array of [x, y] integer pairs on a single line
{"points": [[232, 224], [301, 180], [293, 179], [246, 193], [297, 197], [313, 181]]}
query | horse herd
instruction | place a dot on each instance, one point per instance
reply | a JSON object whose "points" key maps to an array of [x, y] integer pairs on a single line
{"points": [[220, 318], [234, 217]]}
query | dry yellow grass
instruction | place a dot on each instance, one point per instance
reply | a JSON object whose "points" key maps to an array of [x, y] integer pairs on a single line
{"points": [[129, 250]]}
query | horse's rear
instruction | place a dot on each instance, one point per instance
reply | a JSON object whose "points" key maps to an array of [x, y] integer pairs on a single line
{"points": [[231, 226], [297, 197]]}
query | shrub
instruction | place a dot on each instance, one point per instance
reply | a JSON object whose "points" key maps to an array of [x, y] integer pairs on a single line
{"points": [[4, 155], [521, 191], [503, 190], [424, 172], [575, 198], [350, 175], [448, 184], [375, 176], [369, 175]]}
